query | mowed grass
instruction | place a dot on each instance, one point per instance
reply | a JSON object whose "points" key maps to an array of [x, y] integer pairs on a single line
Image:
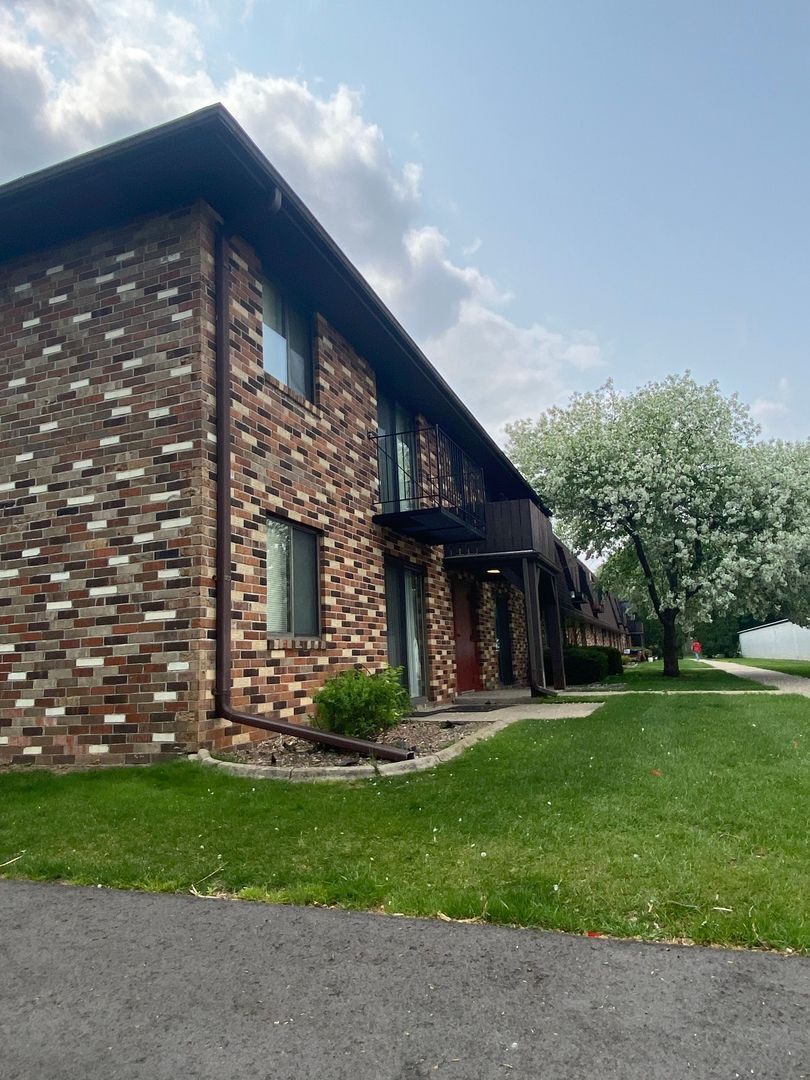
{"points": [[695, 675], [789, 667], [654, 817]]}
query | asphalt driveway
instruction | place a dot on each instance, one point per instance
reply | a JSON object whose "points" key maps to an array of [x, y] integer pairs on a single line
{"points": [[102, 984]]}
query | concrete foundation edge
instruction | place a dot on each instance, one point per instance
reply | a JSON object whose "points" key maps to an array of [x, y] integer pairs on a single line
{"points": [[353, 772]]}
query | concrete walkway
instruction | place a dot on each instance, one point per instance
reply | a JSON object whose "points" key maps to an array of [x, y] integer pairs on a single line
{"points": [[104, 985], [785, 684], [534, 704], [533, 709]]}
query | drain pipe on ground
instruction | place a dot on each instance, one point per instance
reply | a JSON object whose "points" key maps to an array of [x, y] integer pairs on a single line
{"points": [[224, 680]]}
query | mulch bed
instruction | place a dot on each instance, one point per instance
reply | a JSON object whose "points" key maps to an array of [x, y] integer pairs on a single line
{"points": [[421, 736]]}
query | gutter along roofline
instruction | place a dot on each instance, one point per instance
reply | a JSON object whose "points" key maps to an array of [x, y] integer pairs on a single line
{"points": [[296, 210], [224, 593], [207, 155]]}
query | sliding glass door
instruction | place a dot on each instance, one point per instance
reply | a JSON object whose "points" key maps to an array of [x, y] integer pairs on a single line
{"points": [[405, 610], [397, 456]]}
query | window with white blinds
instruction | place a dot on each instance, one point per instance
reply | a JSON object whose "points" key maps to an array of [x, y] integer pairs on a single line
{"points": [[293, 594]]}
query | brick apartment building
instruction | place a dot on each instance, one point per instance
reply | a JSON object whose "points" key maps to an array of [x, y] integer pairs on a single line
{"points": [[227, 472]]}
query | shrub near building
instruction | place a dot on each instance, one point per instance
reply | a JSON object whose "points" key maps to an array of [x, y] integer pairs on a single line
{"points": [[614, 658], [583, 664], [360, 704]]}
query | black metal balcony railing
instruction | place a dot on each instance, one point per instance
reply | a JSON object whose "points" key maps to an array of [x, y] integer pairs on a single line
{"points": [[429, 488]]}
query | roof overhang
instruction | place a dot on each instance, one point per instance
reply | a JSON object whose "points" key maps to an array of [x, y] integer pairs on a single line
{"points": [[208, 156], [765, 626]]}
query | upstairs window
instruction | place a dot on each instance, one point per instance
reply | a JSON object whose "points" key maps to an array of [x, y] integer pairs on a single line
{"points": [[287, 340], [293, 590]]}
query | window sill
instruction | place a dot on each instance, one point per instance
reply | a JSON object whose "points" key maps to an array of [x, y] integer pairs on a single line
{"points": [[289, 642], [272, 383]]}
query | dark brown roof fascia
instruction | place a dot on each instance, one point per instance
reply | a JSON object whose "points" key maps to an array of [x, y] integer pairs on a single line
{"points": [[22, 196]]}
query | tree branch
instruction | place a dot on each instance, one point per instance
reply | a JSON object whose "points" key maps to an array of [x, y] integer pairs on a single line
{"points": [[697, 562], [645, 569], [672, 579]]}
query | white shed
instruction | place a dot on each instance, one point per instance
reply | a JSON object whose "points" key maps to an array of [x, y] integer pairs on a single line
{"points": [[781, 640]]}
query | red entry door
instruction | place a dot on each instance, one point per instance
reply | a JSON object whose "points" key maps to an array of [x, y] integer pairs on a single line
{"points": [[468, 669]]}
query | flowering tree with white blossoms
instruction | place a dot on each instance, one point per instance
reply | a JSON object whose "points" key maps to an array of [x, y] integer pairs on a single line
{"points": [[696, 519]]}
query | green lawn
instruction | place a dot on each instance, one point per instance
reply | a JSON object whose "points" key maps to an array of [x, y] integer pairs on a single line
{"points": [[789, 667], [695, 675], [657, 817]]}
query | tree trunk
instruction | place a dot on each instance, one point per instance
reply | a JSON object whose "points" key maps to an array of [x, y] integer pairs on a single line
{"points": [[670, 644]]}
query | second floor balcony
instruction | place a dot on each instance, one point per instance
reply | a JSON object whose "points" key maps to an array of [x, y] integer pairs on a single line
{"points": [[429, 488]]}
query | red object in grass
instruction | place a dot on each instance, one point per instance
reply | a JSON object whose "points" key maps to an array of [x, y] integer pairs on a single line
{"points": [[594, 933], [656, 772]]}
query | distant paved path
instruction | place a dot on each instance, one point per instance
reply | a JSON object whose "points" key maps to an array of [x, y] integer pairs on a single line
{"points": [[103, 985], [788, 684]]}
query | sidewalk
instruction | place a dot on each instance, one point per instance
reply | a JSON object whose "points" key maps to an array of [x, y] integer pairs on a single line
{"points": [[785, 684]]}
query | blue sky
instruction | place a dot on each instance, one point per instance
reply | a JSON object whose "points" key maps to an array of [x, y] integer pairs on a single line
{"points": [[547, 194]]}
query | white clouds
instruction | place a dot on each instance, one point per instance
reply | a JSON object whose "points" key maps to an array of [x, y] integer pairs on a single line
{"points": [[335, 160], [507, 371], [774, 414], [97, 70], [65, 21], [25, 86], [430, 289], [767, 413], [78, 73]]}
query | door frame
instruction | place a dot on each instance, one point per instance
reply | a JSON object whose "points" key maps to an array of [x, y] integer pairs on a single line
{"points": [[503, 611], [398, 455], [402, 567], [471, 589]]}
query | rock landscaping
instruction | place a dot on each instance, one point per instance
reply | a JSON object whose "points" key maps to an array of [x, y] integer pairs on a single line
{"points": [[421, 736], [433, 741]]}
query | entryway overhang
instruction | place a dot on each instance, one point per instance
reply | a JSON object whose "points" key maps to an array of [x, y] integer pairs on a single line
{"points": [[536, 576], [503, 561]]}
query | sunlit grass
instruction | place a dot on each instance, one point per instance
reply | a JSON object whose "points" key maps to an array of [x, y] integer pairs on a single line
{"points": [[695, 675], [656, 816], [789, 667]]}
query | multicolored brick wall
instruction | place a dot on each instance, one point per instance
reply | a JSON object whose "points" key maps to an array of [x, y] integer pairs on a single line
{"points": [[487, 636], [313, 464], [520, 639], [582, 632], [107, 498], [101, 465]]}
